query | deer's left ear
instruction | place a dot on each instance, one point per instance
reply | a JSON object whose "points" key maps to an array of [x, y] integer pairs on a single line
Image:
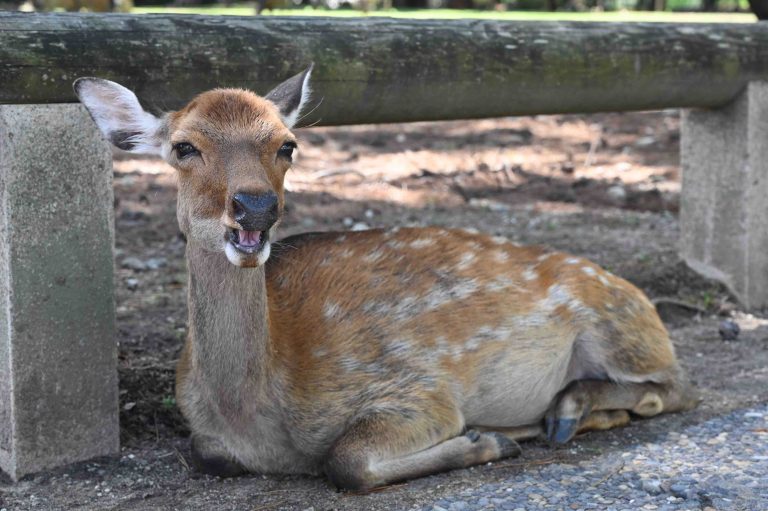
{"points": [[291, 96]]}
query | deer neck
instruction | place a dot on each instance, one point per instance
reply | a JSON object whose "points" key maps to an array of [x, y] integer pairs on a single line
{"points": [[228, 322]]}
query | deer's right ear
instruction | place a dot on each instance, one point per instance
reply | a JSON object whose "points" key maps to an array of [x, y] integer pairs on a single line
{"points": [[119, 116]]}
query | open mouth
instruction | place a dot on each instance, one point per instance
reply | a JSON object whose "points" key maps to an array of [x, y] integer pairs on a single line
{"points": [[247, 242]]}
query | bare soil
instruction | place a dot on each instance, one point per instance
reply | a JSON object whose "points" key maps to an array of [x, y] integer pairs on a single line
{"points": [[602, 186]]}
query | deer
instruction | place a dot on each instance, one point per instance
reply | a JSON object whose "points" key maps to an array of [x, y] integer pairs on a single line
{"points": [[383, 355]]}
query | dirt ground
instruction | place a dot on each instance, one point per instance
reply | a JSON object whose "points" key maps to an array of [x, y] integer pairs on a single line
{"points": [[602, 186]]}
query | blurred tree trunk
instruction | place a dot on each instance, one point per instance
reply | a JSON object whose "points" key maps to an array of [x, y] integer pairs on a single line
{"points": [[410, 4], [551, 5], [760, 8], [709, 5]]}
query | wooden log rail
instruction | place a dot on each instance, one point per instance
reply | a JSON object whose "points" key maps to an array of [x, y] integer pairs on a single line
{"points": [[371, 70]]}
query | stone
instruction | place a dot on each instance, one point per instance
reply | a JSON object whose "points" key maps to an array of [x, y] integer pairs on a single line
{"points": [[723, 209], [58, 356], [155, 263], [652, 486], [134, 263], [729, 330], [617, 193]]}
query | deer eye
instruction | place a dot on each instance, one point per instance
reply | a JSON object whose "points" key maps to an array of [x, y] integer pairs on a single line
{"points": [[286, 151], [184, 149]]}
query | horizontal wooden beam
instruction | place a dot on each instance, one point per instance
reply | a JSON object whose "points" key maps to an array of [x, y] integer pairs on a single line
{"points": [[370, 70]]}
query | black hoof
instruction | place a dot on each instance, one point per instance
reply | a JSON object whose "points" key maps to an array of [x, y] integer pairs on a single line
{"points": [[508, 447], [561, 430], [214, 465]]}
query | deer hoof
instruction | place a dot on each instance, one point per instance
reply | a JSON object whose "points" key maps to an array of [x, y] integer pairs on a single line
{"points": [[560, 430]]}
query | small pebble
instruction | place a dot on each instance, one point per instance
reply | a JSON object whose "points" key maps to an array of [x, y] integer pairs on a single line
{"points": [[728, 330], [360, 226], [645, 142], [617, 194], [134, 263], [680, 491], [132, 284], [155, 263], [652, 486]]}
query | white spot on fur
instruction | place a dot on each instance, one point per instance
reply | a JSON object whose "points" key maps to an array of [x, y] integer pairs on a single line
{"points": [[503, 283], [400, 348], [470, 230], [603, 280], [395, 244], [331, 310], [544, 257], [374, 257], [460, 291], [589, 271], [341, 239], [444, 349], [483, 334], [346, 253], [422, 243], [572, 260], [530, 275], [557, 295], [466, 260], [499, 240], [500, 256]]}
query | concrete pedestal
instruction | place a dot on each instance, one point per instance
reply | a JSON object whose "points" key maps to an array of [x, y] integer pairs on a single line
{"points": [[724, 203], [58, 379]]}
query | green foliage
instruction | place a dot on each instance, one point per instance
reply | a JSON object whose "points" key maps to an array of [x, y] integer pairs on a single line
{"points": [[169, 402]]}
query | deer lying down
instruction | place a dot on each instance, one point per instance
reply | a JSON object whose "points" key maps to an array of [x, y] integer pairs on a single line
{"points": [[382, 355]]}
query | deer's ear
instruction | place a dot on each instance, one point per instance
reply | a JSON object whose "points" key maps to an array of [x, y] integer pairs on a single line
{"points": [[119, 116], [291, 96]]}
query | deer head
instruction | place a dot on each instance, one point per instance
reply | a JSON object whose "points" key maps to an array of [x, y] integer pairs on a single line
{"points": [[231, 148]]}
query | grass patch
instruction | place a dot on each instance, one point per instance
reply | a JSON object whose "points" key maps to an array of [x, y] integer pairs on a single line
{"points": [[616, 16]]}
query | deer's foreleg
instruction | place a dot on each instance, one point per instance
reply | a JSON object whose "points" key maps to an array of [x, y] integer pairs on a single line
{"points": [[383, 449], [210, 457]]}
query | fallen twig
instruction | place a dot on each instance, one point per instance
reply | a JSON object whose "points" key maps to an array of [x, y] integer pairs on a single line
{"points": [[548, 461], [182, 460]]}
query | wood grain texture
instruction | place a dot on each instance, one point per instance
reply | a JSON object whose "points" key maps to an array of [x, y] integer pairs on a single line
{"points": [[371, 70]]}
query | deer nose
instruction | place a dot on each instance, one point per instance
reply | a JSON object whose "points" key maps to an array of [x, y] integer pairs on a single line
{"points": [[255, 212]]}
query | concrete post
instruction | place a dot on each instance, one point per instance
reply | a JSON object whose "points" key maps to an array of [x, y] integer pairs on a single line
{"points": [[58, 379], [724, 203]]}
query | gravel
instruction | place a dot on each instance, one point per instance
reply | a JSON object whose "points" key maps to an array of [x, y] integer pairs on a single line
{"points": [[720, 464]]}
